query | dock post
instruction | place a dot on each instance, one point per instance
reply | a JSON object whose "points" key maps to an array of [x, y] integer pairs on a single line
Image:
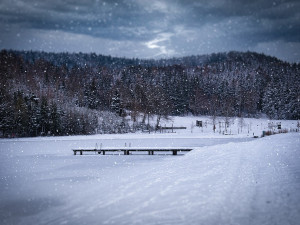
{"points": [[74, 152], [80, 152], [174, 152]]}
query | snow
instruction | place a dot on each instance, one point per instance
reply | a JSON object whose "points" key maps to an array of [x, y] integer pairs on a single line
{"points": [[226, 179]]}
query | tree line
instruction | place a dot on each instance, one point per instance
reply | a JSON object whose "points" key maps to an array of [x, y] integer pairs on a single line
{"points": [[62, 93]]}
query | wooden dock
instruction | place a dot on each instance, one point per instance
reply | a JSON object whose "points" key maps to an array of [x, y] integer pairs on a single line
{"points": [[129, 150]]}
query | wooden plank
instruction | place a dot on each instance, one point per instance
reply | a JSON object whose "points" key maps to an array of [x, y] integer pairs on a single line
{"points": [[134, 149]]}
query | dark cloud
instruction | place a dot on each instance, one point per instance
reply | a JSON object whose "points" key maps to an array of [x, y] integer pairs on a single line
{"points": [[95, 18], [260, 19], [154, 28]]}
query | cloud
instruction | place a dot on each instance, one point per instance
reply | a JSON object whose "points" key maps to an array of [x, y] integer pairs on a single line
{"points": [[160, 28], [161, 44], [60, 41], [288, 51]]}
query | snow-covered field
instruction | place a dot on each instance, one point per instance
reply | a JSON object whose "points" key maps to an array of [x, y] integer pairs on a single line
{"points": [[226, 179]]}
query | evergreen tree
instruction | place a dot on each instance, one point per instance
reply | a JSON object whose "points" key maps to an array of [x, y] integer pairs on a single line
{"points": [[92, 96], [34, 124], [54, 119], [44, 116], [21, 115], [6, 115], [116, 103]]}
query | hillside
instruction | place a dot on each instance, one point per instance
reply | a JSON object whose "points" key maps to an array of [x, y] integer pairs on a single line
{"points": [[63, 93]]}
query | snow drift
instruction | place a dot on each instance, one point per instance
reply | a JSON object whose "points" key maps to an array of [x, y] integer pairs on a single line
{"points": [[256, 182]]}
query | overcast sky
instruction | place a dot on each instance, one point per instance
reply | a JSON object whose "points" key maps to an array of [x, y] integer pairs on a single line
{"points": [[152, 28]]}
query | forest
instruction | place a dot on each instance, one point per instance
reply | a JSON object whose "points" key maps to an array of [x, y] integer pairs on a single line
{"points": [[75, 93]]}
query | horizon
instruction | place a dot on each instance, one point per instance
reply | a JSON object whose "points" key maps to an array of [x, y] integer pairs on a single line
{"points": [[150, 59]]}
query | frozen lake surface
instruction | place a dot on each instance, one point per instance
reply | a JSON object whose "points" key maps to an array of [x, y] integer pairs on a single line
{"points": [[224, 180]]}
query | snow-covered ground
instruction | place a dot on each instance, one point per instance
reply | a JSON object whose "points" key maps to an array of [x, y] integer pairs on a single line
{"points": [[226, 179], [238, 127]]}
